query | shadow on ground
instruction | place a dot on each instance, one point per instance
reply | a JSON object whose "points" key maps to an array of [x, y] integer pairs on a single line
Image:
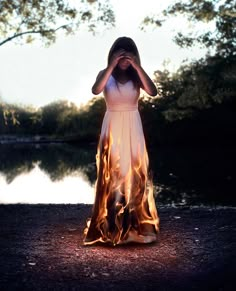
{"points": [[41, 249]]}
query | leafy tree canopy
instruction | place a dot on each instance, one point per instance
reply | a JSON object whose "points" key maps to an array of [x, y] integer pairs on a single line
{"points": [[220, 13], [24, 21]]}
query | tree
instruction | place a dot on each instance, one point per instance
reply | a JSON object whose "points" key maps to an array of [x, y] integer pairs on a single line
{"points": [[23, 21], [195, 87], [222, 14]]}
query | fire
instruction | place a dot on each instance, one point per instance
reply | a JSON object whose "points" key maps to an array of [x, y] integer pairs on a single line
{"points": [[124, 208]]}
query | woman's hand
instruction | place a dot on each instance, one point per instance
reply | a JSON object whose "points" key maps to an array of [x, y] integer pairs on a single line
{"points": [[133, 60], [147, 83], [116, 57]]}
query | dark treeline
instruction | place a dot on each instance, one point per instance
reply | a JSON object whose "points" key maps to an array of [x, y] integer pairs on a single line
{"points": [[61, 119], [196, 104]]}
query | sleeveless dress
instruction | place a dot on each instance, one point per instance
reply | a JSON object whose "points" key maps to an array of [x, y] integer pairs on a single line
{"points": [[124, 209]]}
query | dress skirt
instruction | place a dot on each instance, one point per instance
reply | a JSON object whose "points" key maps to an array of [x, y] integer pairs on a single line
{"points": [[124, 209]]}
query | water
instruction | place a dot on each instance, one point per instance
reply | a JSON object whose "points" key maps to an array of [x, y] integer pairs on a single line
{"points": [[62, 173]]}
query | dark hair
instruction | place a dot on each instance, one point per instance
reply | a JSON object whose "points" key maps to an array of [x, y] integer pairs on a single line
{"points": [[128, 45]]}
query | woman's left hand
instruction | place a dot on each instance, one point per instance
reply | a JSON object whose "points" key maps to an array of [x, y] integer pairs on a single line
{"points": [[132, 59], [147, 83]]}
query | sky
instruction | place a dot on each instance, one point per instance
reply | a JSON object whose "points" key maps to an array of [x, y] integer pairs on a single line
{"points": [[35, 75]]}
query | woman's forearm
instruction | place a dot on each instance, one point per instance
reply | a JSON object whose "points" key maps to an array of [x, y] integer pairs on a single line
{"points": [[148, 84], [101, 80], [104, 75]]}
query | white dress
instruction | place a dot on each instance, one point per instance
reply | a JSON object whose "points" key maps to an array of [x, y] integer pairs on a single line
{"points": [[124, 208]]}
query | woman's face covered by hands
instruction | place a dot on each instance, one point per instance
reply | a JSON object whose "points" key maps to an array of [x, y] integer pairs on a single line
{"points": [[123, 59], [128, 59]]}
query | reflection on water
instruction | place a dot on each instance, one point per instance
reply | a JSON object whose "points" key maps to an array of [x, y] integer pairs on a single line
{"points": [[47, 173], [36, 187], [62, 173]]}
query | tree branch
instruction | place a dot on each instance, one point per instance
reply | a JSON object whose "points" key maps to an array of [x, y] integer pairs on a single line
{"points": [[31, 31]]}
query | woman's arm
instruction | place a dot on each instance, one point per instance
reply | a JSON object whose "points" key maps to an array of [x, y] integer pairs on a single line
{"points": [[147, 83], [104, 75], [101, 80]]}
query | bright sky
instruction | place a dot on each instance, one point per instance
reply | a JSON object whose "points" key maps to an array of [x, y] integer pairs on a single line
{"points": [[34, 75]]}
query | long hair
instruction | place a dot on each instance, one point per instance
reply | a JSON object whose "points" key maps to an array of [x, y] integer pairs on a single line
{"points": [[128, 45]]}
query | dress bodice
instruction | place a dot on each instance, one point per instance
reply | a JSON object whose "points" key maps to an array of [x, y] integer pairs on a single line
{"points": [[121, 97]]}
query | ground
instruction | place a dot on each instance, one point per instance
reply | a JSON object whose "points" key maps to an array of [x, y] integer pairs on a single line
{"points": [[41, 249]]}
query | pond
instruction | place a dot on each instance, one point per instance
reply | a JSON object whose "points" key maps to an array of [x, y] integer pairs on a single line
{"points": [[66, 173]]}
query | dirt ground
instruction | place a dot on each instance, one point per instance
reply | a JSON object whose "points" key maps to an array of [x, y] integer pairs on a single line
{"points": [[41, 249]]}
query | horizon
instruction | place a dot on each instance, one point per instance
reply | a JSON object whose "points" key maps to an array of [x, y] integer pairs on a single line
{"points": [[67, 69]]}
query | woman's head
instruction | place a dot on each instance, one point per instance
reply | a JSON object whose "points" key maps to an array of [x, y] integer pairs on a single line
{"points": [[129, 46], [125, 43]]}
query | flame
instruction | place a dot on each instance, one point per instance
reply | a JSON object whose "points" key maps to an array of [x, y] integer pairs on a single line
{"points": [[124, 208]]}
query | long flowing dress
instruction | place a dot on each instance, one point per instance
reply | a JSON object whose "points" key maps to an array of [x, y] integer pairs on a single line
{"points": [[124, 209]]}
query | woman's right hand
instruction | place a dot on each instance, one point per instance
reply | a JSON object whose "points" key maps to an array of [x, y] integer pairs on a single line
{"points": [[116, 57], [104, 75]]}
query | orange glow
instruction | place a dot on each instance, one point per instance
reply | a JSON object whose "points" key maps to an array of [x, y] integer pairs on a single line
{"points": [[124, 209]]}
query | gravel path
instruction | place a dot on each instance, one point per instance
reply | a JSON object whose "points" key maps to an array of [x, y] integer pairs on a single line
{"points": [[41, 249]]}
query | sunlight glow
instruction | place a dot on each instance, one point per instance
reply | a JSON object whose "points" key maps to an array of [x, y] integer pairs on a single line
{"points": [[67, 69]]}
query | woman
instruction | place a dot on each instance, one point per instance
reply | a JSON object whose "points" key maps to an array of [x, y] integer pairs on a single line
{"points": [[124, 209]]}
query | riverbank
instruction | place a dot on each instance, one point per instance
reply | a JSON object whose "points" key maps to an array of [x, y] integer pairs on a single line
{"points": [[31, 139], [41, 249]]}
